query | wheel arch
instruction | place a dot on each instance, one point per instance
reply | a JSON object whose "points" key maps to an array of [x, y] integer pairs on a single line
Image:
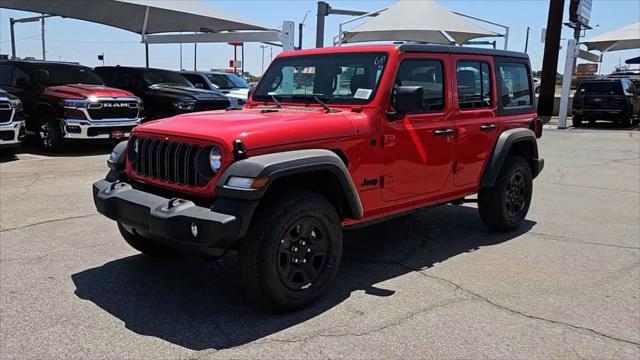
{"points": [[520, 141], [319, 170]]}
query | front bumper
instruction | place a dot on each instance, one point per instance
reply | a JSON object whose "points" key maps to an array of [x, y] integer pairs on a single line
{"points": [[538, 165], [599, 113], [12, 133], [97, 129], [167, 221]]}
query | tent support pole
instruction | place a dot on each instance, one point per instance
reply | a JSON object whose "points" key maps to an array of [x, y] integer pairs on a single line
{"points": [[144, 35], [550, 60], [13, 38], [342, 23], [505, 27]]}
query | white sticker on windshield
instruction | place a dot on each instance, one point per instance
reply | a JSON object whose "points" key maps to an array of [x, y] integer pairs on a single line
{"points": [[362, 94]]}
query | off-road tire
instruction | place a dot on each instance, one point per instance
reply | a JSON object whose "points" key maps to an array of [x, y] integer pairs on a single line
{"points": [[49, 134], [142, 244], [625, 120], [577, 121], [268, 252], [500, 205]]}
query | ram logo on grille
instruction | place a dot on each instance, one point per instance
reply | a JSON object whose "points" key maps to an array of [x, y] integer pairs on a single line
{"points": [[109, 105]]}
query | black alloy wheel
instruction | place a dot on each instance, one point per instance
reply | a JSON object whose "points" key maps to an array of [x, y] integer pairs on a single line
{"points": [[515, 199], [302, 254]]}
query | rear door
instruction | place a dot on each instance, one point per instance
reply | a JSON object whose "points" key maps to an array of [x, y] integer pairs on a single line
{"points": [[418, 147], [475, 116]]}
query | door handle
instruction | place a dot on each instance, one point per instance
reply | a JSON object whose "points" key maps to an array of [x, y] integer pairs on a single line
{"points": [[443, 132], [488, 127]]}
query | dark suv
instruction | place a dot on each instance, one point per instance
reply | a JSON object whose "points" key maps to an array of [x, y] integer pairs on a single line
{"points": [[613, 99], [163, 92]]}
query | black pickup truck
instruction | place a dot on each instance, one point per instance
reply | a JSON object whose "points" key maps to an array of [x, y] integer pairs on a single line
{"points": [[612, 99], [164, 93]]}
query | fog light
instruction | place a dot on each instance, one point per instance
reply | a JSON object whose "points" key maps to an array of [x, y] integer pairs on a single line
{"points": [[73, 129], [194, 229]]}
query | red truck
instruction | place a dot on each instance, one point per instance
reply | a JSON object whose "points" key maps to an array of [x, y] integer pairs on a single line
{"points": [[69, 102], [331, 139]]}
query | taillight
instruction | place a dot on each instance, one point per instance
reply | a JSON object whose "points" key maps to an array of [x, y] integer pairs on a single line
{"points": [[536, 127]]}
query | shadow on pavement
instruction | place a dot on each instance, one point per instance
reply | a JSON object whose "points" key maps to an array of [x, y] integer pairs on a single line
{"points": [[200, 305], [70, 149]]}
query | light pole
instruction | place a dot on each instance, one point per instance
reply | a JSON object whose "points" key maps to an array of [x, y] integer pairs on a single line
{"points": [[263, 47]]}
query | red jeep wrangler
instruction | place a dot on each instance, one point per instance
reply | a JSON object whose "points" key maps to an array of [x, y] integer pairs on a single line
{"points": [[331, 139]]}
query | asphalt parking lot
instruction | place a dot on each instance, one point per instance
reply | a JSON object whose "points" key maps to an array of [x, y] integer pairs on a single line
{"points": [[433, 284]]}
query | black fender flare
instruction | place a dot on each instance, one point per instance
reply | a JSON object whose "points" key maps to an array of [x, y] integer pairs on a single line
{"points": [[279, 165], [506, 141]]}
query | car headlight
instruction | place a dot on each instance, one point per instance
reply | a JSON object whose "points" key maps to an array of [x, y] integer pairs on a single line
{"points": [[186, 105], [16, 104], [215, 159], [73, 104]]}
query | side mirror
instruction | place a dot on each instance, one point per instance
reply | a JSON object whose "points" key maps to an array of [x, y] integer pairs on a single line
{"points": [[199, 85], [409, 99]]}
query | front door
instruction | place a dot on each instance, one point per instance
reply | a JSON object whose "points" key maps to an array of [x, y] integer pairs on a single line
{"points": [[418, 147], [474, 116]]}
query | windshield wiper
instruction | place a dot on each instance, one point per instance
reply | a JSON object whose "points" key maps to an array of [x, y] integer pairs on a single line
{"points": [[322, 103], [275, 100]]}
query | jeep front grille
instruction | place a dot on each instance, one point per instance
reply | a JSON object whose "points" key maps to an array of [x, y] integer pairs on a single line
{"points": [[174, 162], [113, 110], [5, 112]]}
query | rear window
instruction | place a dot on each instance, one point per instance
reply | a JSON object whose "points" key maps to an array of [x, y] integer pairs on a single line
{"points": [[600, 88], [516, 87]]}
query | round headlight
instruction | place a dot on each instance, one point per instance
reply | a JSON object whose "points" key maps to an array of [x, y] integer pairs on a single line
{"points": [[215, 159]]}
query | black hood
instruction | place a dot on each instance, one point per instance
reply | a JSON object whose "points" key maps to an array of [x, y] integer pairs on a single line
{"points": [[187, 92]]}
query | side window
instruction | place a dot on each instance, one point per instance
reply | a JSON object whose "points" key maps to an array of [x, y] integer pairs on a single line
{"points": [[5, 74], [516, 89], [474, 84], [196, 80], [19, 78], [429, 75], [628, 87]]}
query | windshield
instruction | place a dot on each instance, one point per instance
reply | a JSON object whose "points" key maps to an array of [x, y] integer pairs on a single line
{"points": [[227, 81], [600, 88], [60, 74], [154, 76], [348, 78]]}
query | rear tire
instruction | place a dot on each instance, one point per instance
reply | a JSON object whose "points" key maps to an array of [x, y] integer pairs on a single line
{"points": [[142, 244], [625, 121], [504, 206], [292, 252], [577, 121]]}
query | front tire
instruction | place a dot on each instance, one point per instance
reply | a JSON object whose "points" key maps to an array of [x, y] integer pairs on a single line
{"points": [[504, 206], [293, 251], [50, 135], [142, 244], [577, 121]]}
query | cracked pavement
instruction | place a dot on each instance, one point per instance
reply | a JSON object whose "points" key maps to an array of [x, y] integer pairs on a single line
{"points": [[434, 284]]}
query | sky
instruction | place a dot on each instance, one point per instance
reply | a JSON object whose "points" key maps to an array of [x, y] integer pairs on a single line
{"points": [[80, 41]]}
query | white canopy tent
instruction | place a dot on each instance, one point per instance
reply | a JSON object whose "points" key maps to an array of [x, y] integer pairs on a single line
{"points": [[145, 17], [624, 38], [421, 21]]}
